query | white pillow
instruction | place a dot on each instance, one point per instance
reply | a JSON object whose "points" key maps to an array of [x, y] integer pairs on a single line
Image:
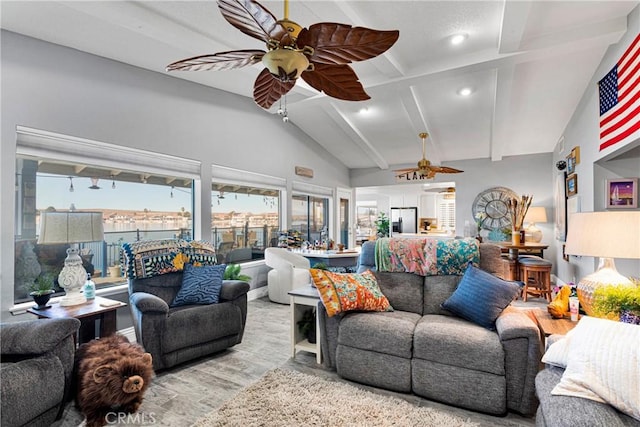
{"points": [[603, 364], [558, 352]]}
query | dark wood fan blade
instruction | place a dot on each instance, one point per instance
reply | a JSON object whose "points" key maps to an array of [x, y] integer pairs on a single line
{"points": [[267, 89], [342, 43], [252, 18], [444, 169], [403, 171], [337, 81], [218, 61]]}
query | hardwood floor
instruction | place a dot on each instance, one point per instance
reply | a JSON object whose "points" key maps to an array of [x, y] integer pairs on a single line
{"points": [[179, 396]]}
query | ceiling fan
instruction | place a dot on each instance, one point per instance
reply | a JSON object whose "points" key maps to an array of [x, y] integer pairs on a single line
{"points": [[425, 168], [319, 54]]}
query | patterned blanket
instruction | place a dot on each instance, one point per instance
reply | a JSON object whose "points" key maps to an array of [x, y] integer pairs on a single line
{"points": [[150, 258], [426, 257]]}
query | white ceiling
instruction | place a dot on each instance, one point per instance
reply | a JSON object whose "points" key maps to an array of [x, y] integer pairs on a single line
{"points": [[527, 62]]}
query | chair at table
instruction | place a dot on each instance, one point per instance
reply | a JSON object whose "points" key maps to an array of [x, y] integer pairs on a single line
{"points": [[535, 272], [289, 271]]}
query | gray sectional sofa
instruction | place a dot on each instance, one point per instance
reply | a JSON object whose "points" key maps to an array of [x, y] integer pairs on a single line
{"points": [[37, 370], [421, 348], [569, 411]]}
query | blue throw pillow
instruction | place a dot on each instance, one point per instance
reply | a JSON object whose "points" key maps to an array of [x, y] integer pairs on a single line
{"points": [[481, 297], [200, 285]]}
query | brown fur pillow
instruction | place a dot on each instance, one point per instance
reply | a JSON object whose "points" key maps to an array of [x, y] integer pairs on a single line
{"points": [[112, 376]]}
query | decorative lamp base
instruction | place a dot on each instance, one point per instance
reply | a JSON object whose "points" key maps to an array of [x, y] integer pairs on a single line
{"points": [[72, 278], [533, 234], [605, 275]]}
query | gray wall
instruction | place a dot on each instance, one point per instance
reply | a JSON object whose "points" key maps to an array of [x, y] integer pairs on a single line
{"points": [[619, 161], [49, 87], [531, 174]]}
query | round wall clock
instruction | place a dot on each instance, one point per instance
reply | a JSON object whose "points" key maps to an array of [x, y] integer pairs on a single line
{"points": [[491, 207]]}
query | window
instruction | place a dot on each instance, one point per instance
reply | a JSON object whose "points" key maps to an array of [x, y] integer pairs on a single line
{"points": [[447, 213], [139, 200], [310, 217], [366, 222], [245, 220]]}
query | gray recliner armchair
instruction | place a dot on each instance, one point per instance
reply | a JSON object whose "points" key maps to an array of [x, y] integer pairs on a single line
{"points": [[36, 370], [174, 335]]}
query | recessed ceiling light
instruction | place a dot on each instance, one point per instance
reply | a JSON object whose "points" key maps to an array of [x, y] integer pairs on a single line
{"points": [[364, 110], [458, 38], [465, 91]]}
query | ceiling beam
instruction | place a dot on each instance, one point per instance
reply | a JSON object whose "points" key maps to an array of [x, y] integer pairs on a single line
{"points": [[514, 22]]}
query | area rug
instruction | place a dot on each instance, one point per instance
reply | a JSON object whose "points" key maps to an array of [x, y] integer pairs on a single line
{"points": [[288, 398]]}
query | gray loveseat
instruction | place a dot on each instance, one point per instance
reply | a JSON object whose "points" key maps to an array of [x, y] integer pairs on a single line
{"points": [[174, 335], [569, 411], [423, 349], [37, 369]]}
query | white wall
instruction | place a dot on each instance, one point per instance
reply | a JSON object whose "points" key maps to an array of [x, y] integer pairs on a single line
{"points": [[595, 166], [49, 87]]}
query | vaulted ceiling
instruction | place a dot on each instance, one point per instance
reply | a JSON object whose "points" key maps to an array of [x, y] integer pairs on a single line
{"points": [[527, 64]]}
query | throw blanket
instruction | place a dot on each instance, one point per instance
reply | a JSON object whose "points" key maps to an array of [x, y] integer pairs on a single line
{"points": [[426, 257], [150, 258]]}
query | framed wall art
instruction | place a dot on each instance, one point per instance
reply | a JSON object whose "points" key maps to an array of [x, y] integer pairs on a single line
{"points": [[621, 193], [573, 159], [572, 185]]}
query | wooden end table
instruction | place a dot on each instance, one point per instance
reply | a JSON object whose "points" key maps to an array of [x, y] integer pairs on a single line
{"points": [[550, 326], [102, 309]]}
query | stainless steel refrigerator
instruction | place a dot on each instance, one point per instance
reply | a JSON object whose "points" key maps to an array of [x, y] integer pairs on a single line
{"points": [[404, 220]]}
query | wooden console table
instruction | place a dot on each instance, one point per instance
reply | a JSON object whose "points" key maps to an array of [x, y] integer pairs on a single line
{"points": [[528, 248], [102, 309]]}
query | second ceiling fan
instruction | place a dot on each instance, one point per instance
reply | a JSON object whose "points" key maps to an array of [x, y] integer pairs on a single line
{"points": [[319, 54], [425, 168]]}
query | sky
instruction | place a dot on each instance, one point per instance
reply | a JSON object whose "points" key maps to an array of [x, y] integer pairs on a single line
{"points": [[133, 196]]}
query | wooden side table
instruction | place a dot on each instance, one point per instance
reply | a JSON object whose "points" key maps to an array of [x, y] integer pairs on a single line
{"points": [[102, 309], [550, 326], [301, 300]]}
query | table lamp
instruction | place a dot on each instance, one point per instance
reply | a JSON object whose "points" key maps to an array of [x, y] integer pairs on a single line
{"points": [[607, 235], [534, 214], [71, 228]]}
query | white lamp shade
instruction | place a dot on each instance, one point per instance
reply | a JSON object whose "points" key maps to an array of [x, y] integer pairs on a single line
{"points": [[536, 214], [70, 227], [604, 234]]}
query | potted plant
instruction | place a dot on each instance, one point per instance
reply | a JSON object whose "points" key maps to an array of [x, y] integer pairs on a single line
{"points": [[382, 224], [307, 325], [233, 273], [618, 302], [41, 290]]}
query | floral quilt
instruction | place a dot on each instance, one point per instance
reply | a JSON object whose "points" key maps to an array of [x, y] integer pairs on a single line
{"points": [[426, 257]]}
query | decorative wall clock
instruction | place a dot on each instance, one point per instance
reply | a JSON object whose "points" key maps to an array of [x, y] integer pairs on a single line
{"points": [[490, 207]]}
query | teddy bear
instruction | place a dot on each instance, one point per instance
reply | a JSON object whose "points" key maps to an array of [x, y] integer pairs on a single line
{"points": [[112, 375]]}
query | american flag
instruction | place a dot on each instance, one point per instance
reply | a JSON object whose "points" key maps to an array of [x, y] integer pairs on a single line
{"points": [[620, 98]]}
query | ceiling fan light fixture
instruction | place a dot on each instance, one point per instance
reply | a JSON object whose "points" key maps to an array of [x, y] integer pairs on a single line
{"points": [[459, 38], [285, 64]]}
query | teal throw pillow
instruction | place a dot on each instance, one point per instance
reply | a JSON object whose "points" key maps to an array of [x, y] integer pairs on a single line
{"points": [[200, 285], [480, 297]]}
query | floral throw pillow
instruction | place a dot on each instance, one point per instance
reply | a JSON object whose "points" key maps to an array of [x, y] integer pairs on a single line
{"points": [[342, 292]]}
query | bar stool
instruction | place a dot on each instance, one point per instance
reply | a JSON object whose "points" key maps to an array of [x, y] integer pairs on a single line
{"points": [[535, 272]]}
